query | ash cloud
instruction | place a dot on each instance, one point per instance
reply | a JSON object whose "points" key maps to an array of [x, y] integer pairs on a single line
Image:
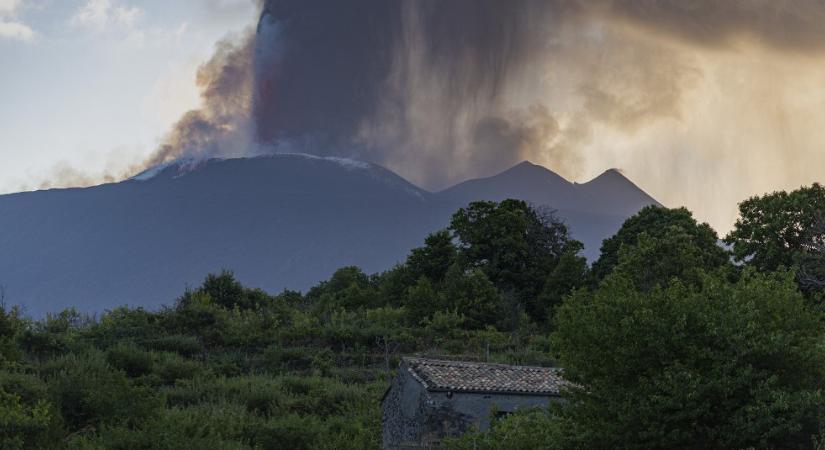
{"points": [[223, 124], [440, 91], [794, 25]]}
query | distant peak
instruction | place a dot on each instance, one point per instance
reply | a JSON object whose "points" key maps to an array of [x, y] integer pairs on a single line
{"points": [[610, 174], [527, 167]]}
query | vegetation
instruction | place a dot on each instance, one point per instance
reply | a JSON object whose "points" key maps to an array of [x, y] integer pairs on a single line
{"points": [[669, 344]]}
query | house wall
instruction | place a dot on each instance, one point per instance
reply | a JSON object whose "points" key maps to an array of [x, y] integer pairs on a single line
{"points": [[413, 418], [479, 406], [403, 412]]}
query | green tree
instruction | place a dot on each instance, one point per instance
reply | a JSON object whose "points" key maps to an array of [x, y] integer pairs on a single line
{"points": [[434, 258], [11, 328], [349, 287], [721, 365], [774, 230], [423, 300], [655, 261], [515, 245], [472, 294], [570, 273], [23, 426], [659, 222], [228, 292]]}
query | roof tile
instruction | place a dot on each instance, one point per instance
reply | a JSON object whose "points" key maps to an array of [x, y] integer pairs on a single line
{"points": [[458, 376]]}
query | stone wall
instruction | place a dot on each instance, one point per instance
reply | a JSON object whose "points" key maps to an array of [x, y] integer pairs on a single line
{"points": [[413, 418]]}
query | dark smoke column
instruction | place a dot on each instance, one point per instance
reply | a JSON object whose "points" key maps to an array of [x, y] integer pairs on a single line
{"points": [[319, 69], [408, 84]]}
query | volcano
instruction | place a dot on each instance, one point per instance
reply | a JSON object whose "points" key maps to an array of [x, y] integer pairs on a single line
{"points": [[279, 221]]}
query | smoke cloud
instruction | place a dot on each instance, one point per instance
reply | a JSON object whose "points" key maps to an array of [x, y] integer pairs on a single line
{"points": [[694, 100]]}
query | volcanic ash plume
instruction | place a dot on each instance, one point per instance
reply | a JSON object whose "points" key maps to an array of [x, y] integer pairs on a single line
{"points": [[223, 125], [672, 91]]}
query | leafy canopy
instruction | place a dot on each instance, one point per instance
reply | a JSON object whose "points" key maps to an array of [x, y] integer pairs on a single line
{"points": [[664, 226], [720, 365], [773, 230]]}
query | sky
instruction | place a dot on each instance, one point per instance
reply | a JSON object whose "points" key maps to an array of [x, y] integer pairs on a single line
{"points": [[701, 103], [89, 87]]}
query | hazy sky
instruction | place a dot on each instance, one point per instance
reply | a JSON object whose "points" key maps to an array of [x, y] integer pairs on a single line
{"points": [[90, 86], [701, 102]]}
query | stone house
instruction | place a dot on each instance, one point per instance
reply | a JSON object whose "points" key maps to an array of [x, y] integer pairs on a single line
{"points": [[430, 399]]}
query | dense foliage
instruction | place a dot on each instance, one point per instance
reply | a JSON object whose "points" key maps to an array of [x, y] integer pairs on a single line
{"points": [[669, 344], [228, 367], [662, 225], [774, 229]]}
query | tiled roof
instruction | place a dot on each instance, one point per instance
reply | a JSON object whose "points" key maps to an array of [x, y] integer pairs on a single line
{"points": [[457, 376]]}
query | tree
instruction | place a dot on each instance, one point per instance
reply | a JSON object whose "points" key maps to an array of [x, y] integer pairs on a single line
{"points": [[434, 258], [472, 294], [11, 328], [659, 222], [811, 273], [22, 426], [349, 287], [570, 273], [774, 230], [423, 300], [515, 245], [655, 261], [720, 365]]}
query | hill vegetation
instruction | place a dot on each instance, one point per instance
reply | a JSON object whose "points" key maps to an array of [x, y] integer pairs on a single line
{"points": [[670, 341]]}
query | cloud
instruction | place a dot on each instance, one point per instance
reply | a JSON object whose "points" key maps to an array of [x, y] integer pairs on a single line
{"points": [[10, 26], [8, 6], [16, 31], [100, 14]]}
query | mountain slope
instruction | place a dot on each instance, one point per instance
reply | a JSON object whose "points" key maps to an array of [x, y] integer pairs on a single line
{"points": [[278, 222], [593, 210], [285, 221]]}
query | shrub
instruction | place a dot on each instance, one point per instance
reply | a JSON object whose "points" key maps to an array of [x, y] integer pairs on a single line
{"points": [[89, 392], [130, 359], [170, 367], [183, 345]]}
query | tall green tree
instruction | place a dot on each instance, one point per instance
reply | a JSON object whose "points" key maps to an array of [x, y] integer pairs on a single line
{"points": [[515, 245], [774, 230], [472, 294], [654, 261], [434, 258], [571, 272], [660, 223]]}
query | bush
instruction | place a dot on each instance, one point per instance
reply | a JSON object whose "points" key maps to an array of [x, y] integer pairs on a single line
{"points": [[89, 392], [170, 367], [22, 426], [130, 359], [183, 345]]}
